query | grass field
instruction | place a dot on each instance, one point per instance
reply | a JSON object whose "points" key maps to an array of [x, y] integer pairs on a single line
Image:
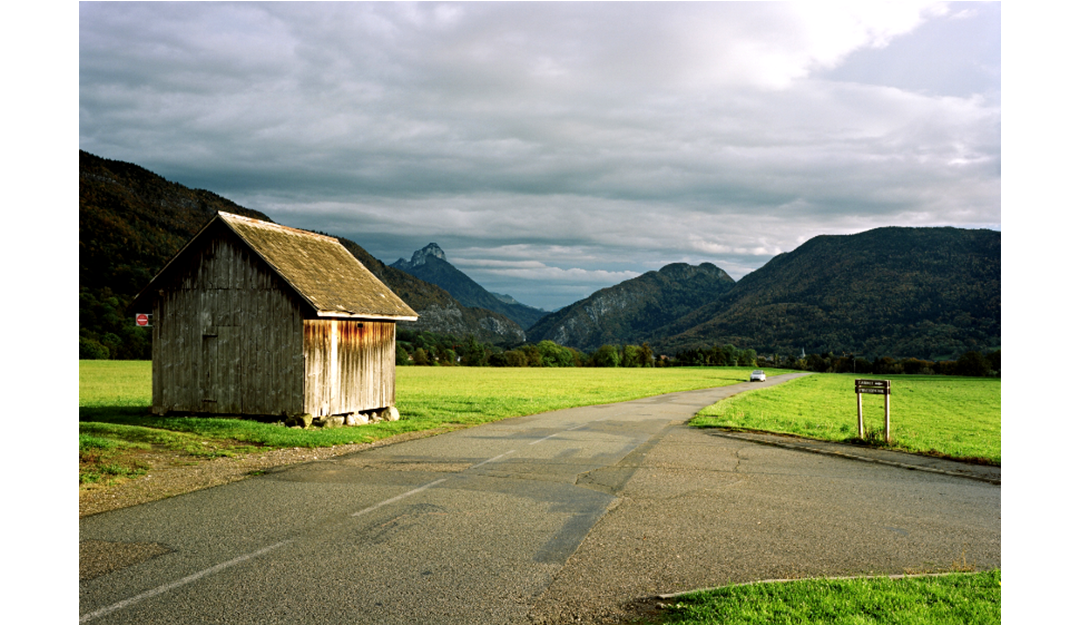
{"points": [[955, 599], [427, 397], [115, 396], [956, 417], [114, 384]]}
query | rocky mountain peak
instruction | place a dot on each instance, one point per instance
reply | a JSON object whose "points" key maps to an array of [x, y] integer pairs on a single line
{"points": [[420, 256]]}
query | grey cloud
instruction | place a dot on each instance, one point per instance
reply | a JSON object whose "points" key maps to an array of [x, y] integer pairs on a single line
{"points": [[602, 138]]}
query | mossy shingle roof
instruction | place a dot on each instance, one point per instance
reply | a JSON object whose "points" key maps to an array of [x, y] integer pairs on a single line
{"points": [[319, 269]]}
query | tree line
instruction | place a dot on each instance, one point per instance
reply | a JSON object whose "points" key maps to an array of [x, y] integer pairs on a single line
{"points": [[432, 349], [122, 340], [971, 363], [106, 330]]}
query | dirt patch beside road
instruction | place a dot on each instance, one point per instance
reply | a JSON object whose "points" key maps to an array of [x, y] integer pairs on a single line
{"points": [[174, 473]]}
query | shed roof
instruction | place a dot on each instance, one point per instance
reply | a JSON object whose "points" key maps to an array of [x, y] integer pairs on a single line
{"points": [[317, 267]]}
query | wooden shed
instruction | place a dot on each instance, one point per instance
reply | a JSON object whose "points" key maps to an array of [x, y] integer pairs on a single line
{"points": [[255, 319]]}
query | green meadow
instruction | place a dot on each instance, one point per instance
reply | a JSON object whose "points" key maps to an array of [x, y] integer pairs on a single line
{"points": [[954, 417], [115, 397], [950, 416], [954, 599]]}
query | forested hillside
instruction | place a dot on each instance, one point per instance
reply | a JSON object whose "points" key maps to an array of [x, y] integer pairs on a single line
{"points": [[632, 311], [902, 292], [929, 293], [132, 221]]}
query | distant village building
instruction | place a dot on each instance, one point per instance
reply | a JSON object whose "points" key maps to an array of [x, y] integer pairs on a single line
{"points": [[255, 319]]}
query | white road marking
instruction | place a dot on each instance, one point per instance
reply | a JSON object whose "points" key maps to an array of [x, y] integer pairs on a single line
{"points": [[493, 459], [224, 565], [400, 497], [576, 427], [180, 582]]}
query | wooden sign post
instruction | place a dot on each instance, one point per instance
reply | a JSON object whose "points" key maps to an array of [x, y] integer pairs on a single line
{"points": [[874, 387]]}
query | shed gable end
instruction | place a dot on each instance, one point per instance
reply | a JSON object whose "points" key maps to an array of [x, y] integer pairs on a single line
{"points": [[252, 318], [227, 338]]}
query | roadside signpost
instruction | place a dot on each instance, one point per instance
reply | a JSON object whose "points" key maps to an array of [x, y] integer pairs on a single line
{"points": [[142, 320], [873, 387]]}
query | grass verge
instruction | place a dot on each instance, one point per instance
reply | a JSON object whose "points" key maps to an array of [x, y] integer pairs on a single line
{"points": [[952, 417], [956, 598]]}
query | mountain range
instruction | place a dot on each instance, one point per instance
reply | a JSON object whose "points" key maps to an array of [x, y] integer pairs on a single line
{"points": [[931, 293], [132, 221], [430, 265], [902, 292], [632, 311]]}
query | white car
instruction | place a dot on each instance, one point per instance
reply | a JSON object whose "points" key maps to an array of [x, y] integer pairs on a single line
{"points": [[757, 376]]}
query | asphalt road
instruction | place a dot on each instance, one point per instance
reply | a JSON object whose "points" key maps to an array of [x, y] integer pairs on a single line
{"points": [[551, 518]]}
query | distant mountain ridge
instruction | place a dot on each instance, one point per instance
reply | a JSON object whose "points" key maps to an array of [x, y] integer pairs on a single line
{"points": [[439, 311], [631, 312], [132, 221], [509, 299], [931, 293], [429, 264]]}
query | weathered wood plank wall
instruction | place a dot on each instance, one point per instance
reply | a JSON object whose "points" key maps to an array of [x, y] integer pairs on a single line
{"points": [[350, 365], [227, 338]]}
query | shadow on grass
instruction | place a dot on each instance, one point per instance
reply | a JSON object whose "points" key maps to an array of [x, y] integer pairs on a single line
{"points": [[127, 415], [253, 431]]}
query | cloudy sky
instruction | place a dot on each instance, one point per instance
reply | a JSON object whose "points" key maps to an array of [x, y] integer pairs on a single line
{"points": [[552, 149]]}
